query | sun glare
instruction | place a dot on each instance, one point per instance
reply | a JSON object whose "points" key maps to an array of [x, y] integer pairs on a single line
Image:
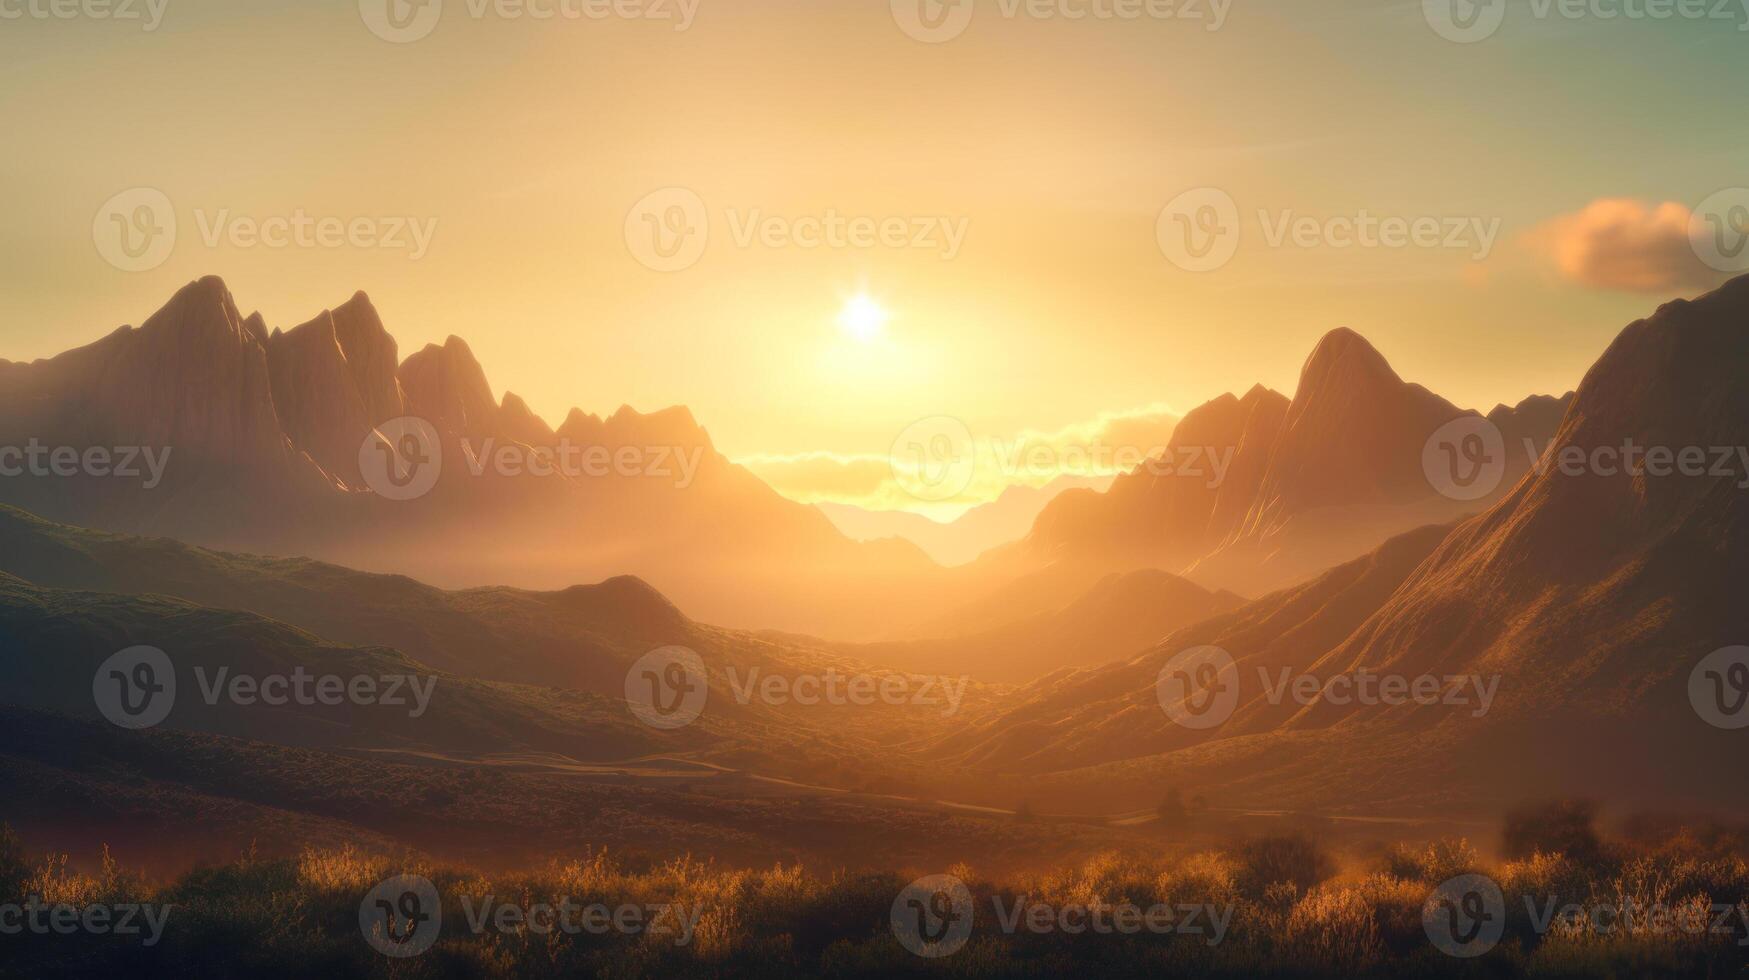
{"points": [[862, 318]]}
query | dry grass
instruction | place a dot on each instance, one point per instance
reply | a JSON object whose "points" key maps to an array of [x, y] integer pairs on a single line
{"points": [[1291, 913]]}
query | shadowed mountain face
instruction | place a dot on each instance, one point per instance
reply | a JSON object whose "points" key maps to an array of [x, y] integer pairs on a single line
{"points": [[499, 674], [1588, 596], [1260, 492], [260, 441]]}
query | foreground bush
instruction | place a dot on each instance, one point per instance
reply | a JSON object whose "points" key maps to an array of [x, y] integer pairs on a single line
{"points": [[1272, 907]]}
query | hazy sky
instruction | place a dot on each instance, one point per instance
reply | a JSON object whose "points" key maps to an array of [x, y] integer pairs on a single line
{"points": [[1053, 144]]}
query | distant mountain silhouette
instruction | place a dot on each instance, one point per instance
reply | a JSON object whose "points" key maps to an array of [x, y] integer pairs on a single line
{"points": [[266, 432], [963, 539], [1590, 592], [1307, 483]]}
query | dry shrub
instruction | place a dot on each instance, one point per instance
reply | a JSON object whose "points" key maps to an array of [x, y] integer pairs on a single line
{"points": [[1107, 878], [1207, 878], [1564, 827], [345, 870], [53, 883], [1274, 860], [13, 869], [1334, 928], [1433, 863]]}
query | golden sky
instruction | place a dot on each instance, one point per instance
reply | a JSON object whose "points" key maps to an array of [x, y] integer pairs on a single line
{"points": [[1026, 163]]}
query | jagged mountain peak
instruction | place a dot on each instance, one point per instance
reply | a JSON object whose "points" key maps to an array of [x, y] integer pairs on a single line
{"points": [[519, 422], [671, 426], [1343, 355], [447, 387], [203, 310]]}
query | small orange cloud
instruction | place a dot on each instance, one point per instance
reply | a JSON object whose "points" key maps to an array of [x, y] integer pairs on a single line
{"points": [[1622, 243]]}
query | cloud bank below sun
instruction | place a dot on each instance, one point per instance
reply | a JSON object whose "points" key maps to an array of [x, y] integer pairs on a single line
{"points": [[1104, 446]]}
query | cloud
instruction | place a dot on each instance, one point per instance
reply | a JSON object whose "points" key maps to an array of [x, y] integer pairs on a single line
{"points": [[1621, 243], [1111, 443]]}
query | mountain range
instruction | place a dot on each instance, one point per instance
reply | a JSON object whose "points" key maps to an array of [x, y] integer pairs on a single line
{"points": [[1588, 594], [1258, 492], [273, 435], [267, 431], [1580, 598]]}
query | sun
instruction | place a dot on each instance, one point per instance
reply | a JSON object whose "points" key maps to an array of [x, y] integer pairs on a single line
{"points": [[862, 318]]}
